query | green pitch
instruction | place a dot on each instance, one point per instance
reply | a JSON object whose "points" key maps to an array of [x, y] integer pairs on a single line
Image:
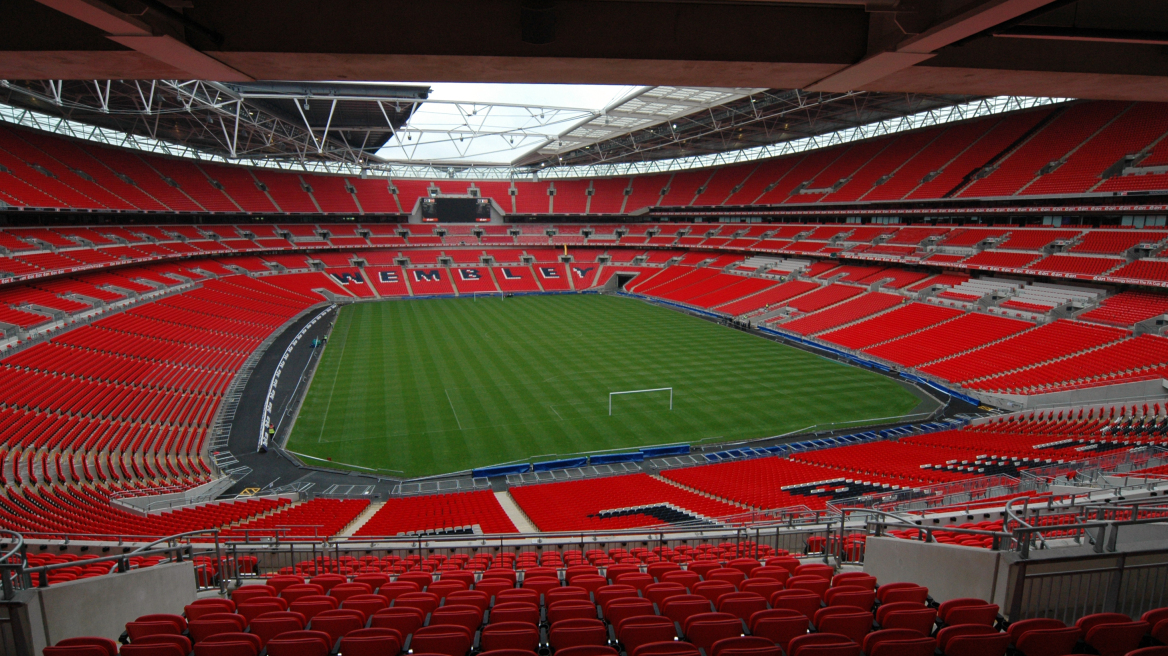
{"points": [[435, 386]]}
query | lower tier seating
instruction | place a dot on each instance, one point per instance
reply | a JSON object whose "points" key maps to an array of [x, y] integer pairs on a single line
{"points": [[613, 503], [1030, 347], [438, 514], [311, 520], [949, 338], [1128, 308], [901, 321], [1126, 359], [853, 310]]}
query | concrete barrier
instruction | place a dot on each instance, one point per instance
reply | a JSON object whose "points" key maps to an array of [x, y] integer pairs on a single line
{"points": [[948, 571], [102, 605]]}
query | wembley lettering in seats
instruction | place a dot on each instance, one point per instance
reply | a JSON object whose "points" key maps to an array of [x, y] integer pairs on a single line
{"points": [[581, 272], [509, 275], [388, 276], [431, 275], [346, 277], [549, 272], [470, 274]]}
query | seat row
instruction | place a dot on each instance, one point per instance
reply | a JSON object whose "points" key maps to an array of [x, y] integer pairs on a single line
{"points": [[810, 610]]}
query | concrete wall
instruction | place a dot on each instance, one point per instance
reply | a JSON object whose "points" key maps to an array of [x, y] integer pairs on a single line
{"points": [[1141, 391], [101, 606], [948, 571]]}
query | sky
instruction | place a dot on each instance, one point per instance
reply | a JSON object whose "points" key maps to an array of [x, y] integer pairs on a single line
{"points": [[534, 115]]}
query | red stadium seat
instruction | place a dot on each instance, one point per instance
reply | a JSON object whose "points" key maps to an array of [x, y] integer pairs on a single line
{"points": [[468, 617], [448, 640], [779, 625], [587, 650], [704, 629], [270, 625], [823, 644], [300, 643], [337, 623], [510, 635], [670, 648], [741, 604], [518, 611], [804, 601], [575, 632], [1116, 639], [404, 620], [744, 646], [367, 604], [644, 629], [244, 593], [371, 642], [565, 592]]}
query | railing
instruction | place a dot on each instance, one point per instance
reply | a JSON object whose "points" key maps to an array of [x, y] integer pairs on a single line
{"points": [[178, 547], [1090, 471], [932, 496], [1106, 580], [162, 499], [1093, 523], [878, 526], [808, 540], [11, 562], [275, 533]]}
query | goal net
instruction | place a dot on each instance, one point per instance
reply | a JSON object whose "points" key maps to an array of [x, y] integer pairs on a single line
{"points": [[486, 295], [643, 391]]}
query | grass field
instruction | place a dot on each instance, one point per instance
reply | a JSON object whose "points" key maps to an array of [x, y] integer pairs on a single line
{"points": [[435, 386]]}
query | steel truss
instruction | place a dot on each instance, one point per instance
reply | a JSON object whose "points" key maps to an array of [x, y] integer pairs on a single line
{"points": [[225, 123]]}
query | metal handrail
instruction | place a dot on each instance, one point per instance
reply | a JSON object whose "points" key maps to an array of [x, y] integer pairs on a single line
{"points": [[121, 562], [1010, 516], [927, 531], [7, 569], [18, 544]]}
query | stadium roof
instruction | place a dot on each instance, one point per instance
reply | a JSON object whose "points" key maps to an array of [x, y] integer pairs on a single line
{"points": [[522, 127], [1098, 49]]}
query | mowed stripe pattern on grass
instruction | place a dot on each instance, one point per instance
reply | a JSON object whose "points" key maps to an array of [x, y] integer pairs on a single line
{"points": [[442, 385]]}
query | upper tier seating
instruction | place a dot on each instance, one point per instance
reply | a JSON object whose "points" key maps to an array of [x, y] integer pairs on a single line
{"points": [[1109, 242], [1085, 138], [1065, 132], [1086, 266]]}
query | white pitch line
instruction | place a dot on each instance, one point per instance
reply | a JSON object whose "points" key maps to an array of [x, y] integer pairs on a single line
{"points": [[556, 411], [447, 392], [333, 387]]}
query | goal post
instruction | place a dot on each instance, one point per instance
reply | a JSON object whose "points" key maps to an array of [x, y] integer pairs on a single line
{"points": [[642, 391], [475, 295]]}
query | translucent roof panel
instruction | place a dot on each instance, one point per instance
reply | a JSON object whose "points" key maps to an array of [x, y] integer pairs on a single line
{"points": [[504, 124], [496, 123]]}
